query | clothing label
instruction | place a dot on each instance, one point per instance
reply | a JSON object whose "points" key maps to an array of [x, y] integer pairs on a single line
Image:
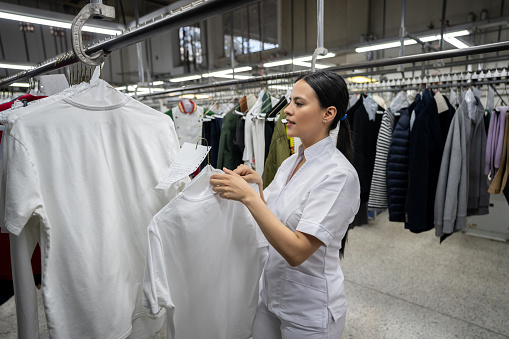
{"points": [[187, 161]]}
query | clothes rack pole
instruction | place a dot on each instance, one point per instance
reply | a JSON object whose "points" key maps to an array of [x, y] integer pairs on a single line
{"points": [[191, 13], [489, 48]]}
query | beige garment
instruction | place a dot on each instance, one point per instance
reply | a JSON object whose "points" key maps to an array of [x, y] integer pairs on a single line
{"points": [[500, 179]]}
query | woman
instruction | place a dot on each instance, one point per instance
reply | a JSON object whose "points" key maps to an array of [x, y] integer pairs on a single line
{"points": [[304, 214]]}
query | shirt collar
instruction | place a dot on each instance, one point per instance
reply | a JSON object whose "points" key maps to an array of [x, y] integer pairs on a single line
{"points": [[182, 109], [316, 148]]}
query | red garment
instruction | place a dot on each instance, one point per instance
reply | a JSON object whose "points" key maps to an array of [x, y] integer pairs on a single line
{"points": [[28, 97]]}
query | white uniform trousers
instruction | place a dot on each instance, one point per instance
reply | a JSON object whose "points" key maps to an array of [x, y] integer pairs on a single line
{"points": [[268, 326]]}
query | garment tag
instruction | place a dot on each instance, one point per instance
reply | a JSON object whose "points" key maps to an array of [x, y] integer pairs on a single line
{"points": [[441, 103], [187, 161]]}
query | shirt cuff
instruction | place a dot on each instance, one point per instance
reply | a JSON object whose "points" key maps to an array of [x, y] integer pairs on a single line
{"points": [[316, 230]]}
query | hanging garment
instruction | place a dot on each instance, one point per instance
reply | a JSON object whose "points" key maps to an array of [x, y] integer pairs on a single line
{"points": [[217, 127], [397, 165], [495, 140], [243, 104], [462, 186], [378, 191], [251, 128], [279, 150], [365, 134], [321, 199], [258, 133], [500, 178], [426, 148], [204, 261], [269, 125], [188, 119], [26, 98], [85, 167], [229, 154]]}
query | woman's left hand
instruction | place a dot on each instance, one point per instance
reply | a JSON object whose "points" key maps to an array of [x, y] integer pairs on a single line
{"points": [[231, 186]]}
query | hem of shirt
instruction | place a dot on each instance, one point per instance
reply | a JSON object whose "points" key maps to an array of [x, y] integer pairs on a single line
{"points": [[315, 230], [11, 228]]}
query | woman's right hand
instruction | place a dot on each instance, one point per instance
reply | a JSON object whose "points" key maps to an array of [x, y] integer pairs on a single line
{"points": [[249, 174]]}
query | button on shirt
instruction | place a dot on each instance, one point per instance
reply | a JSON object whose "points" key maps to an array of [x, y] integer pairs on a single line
{"points": [[321, 199]]}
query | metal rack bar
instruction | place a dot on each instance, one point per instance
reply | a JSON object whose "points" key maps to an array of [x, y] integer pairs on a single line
{"points": [[489, 48], [194, 12], [444, 85]]}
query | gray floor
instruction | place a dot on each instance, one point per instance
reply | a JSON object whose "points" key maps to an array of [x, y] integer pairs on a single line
{"points": [[404, 285]]}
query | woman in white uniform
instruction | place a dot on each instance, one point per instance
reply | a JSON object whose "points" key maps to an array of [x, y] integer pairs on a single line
{"points": [[304, 214]]}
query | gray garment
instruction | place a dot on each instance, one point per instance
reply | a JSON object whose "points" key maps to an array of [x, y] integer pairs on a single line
{"points": [[462, 186]]}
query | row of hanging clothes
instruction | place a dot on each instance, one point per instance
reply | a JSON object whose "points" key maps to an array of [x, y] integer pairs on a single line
{"points": [[119, 257], [247, 130], [426, 159]]}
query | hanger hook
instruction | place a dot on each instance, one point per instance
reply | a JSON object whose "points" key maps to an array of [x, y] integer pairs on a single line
{"points": [[208, 153]]}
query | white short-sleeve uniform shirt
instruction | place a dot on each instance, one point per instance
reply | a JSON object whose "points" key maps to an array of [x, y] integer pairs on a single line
{"points": [[321, 199]]}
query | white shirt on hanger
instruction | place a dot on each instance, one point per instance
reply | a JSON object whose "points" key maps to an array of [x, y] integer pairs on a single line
{"points": [[205, 257], [86, 167]]}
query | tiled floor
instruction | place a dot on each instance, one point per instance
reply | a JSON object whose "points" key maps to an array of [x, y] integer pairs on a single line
{"points": [[405, 285]]}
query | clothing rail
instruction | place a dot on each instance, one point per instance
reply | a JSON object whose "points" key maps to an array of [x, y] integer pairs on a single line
{"points": [[194, 12], [448, 85], [488, 48]]}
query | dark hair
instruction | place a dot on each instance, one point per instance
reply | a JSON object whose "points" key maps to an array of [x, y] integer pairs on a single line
{"points": [[331, 90]]}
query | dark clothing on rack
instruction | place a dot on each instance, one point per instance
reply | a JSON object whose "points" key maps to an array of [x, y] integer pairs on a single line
{"points": [[445, 119], [215, 134], [365, 135], [229, 155], [426, 149], [397, 165], [269, 125], [238, 140]]}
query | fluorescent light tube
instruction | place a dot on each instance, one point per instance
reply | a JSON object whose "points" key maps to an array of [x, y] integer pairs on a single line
{"points": [[186, 78], [456, 43], [428, 38], [55, 23], [361, 79], [297, 60], [308, 64], [20, 84], [158, 83], [11, 66], [384, 46]]}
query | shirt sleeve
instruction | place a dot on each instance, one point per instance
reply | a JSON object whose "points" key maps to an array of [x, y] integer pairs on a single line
{"points": [[20, 194], [156, 291], [331, 205]]}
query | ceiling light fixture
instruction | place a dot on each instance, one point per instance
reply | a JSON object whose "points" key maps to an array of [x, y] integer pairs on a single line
{"points": [[296, 61], [20, 84], [361, 80], [55, 23], [449, 37], [186, 78]]}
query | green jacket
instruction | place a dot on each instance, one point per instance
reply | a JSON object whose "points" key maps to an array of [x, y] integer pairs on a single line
{"points": [[229, 155], [279, 150]]}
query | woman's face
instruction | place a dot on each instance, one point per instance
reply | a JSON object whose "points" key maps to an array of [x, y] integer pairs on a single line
{"points": [[304, 114]]}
